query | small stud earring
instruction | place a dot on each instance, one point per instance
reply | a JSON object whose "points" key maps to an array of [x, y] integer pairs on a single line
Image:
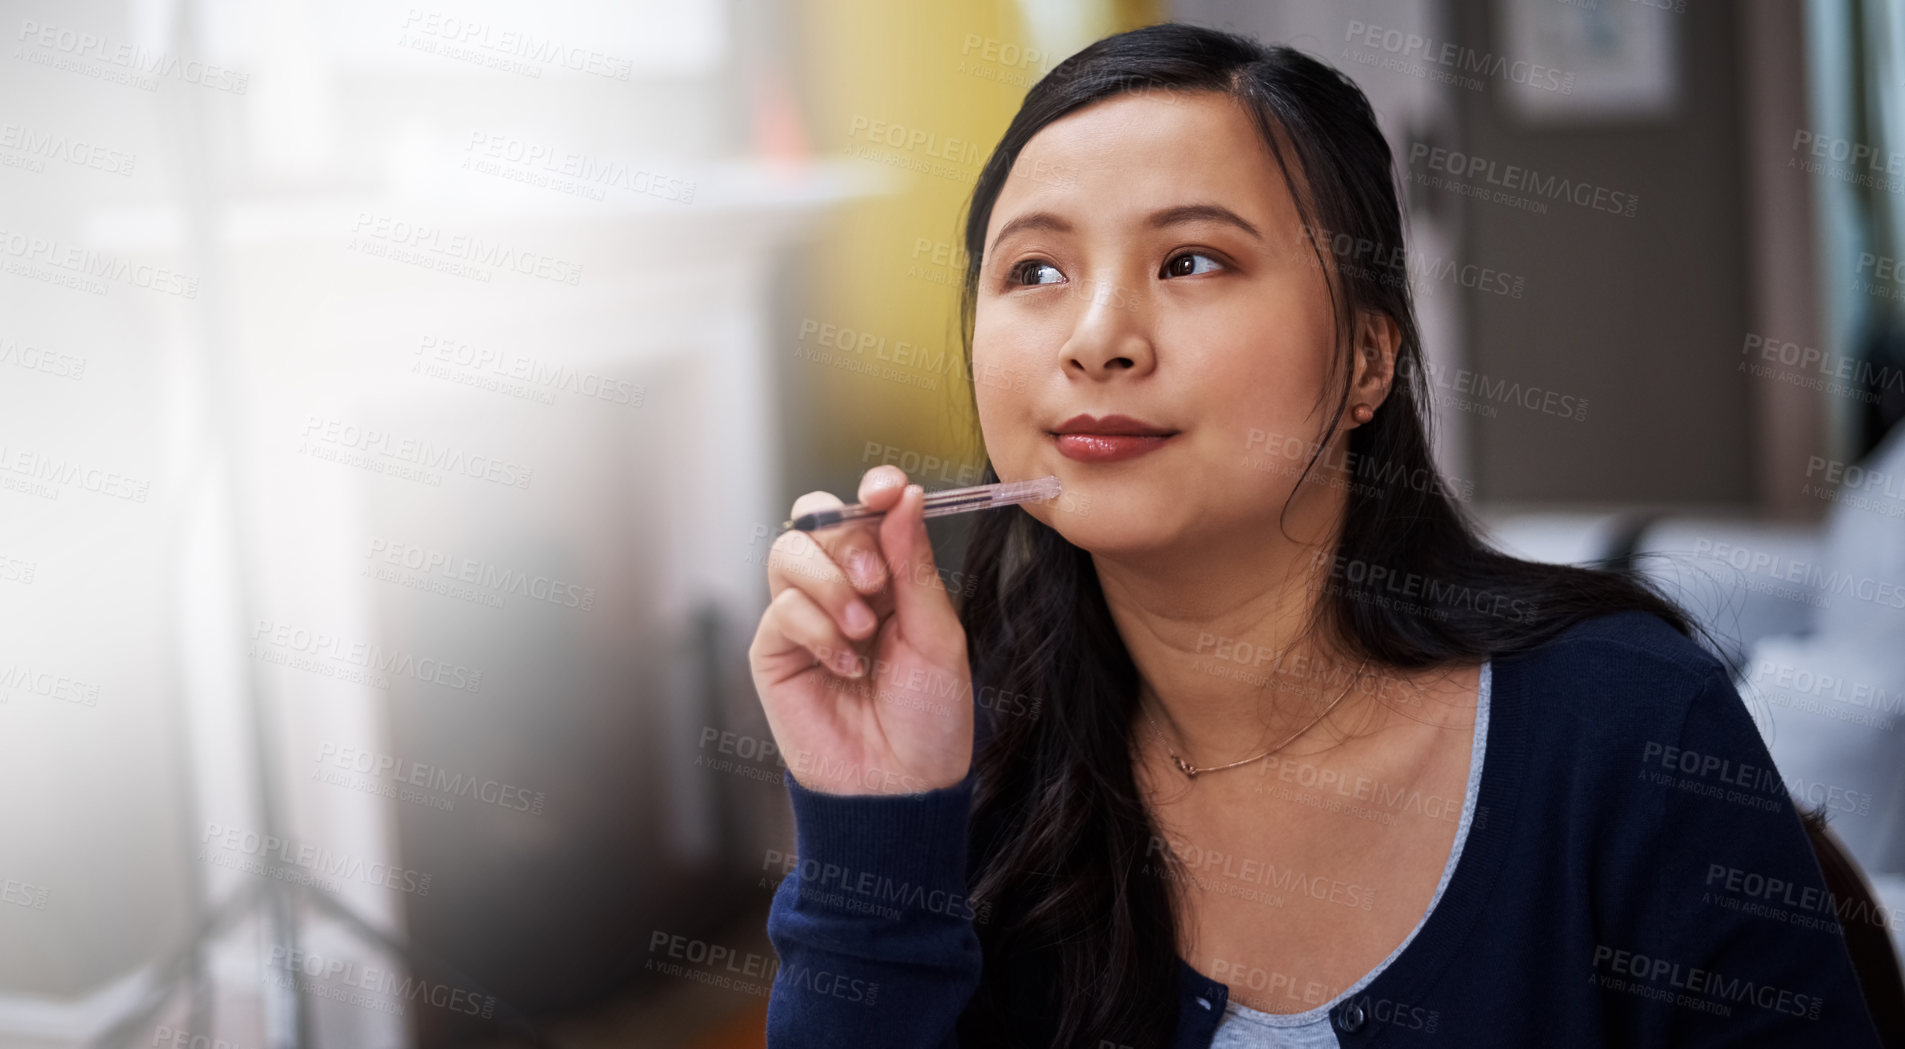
{"points": [[1362, 413]]}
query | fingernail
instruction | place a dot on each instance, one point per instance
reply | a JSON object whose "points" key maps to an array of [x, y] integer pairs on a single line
{"points": [[859, 618]]}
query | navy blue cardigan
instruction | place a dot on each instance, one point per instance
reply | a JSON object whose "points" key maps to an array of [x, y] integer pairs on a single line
{"points": [[1635, 875]]}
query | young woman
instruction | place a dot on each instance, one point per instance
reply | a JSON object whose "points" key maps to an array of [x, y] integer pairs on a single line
{"points": [[1248, 739]]}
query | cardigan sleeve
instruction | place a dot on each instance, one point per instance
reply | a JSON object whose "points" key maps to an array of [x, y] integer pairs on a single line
{"points": [[873, 927], [1741, 943]]}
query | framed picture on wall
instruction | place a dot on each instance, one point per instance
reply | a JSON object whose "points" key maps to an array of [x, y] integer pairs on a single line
{"points": [[1588, 61]]}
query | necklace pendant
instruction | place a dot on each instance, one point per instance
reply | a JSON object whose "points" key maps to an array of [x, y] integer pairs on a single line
{"points": [[1185, 767]]}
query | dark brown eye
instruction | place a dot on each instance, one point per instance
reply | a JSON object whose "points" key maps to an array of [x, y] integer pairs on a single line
{"points": [[1018, 273], [1176, 268]]}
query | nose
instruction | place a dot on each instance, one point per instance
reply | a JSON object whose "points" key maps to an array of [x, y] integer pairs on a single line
{"points": [[1110, 338]]}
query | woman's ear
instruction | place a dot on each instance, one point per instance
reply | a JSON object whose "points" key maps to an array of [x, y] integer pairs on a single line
{"points": [[1378, 338]]}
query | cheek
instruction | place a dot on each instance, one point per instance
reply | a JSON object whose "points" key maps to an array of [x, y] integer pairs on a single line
{"points": [[1001, 385], [1264, 381], [1004, 412]]}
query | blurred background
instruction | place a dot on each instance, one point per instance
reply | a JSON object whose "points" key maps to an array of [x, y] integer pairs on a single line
{"points": [[397, 402]]}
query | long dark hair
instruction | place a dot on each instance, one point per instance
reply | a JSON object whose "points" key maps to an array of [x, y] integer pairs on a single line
{"points": [[1061, 829]]}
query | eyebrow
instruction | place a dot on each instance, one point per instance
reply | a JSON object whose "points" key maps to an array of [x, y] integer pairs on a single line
{"points": [[1173, 216]]}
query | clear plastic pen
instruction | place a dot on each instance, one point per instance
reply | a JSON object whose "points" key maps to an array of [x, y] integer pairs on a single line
{"points": [[939, 504]]}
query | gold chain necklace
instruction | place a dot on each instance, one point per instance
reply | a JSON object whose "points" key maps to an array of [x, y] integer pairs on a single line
{"points": [[1191, 771]]}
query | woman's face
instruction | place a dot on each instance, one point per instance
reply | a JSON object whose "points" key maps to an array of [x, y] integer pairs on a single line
{"points": [[1145, 259]]}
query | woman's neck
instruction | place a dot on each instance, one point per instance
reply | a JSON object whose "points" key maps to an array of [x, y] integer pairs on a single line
{"points": [[1223, 647]]}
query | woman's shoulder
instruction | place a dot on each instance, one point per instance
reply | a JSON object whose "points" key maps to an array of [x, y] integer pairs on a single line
{"points": [[1621, 678], [1625, 647], [1621, 719]]}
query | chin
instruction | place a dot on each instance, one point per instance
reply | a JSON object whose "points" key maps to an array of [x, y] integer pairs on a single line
{"points": [[1099, 525]]}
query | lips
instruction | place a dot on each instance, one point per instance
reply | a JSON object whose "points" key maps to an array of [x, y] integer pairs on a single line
{"points": [[1113, 438]]}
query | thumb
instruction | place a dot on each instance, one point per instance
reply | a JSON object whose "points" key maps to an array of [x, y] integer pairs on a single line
{"points": [[925, 611]]}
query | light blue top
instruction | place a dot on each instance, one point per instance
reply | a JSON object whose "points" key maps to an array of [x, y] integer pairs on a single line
{"points": [[1245, 1028]]}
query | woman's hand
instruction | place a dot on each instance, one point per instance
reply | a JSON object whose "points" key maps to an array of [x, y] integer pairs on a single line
{"points": [[860, 660]]}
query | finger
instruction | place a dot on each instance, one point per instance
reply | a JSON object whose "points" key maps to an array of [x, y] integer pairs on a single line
{"points": [[881, 486], [858, 549], [852, 545], [794, 632], [796, 561], [919, 597], [824, 539]]}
